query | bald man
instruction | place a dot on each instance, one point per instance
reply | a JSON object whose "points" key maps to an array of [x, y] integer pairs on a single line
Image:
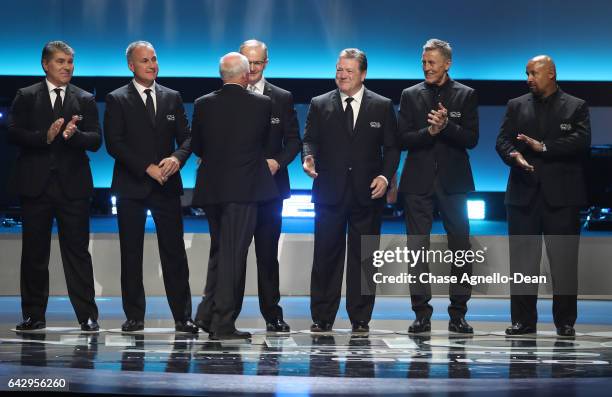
{"points": [[545, 138], [229, 131]]}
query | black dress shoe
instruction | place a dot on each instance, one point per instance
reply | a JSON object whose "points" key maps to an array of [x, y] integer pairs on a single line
{"points": [[90, 325], [201, 324], [232, 335], [420, 325], [320, 327], [186, 326], [566, 330], [361, 326], [460, 326], [520, 329], [277, 325], [132, 325], [29, 325]]}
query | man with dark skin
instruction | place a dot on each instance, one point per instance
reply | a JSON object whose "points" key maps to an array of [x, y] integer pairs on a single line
{"points": [[544, 138]]}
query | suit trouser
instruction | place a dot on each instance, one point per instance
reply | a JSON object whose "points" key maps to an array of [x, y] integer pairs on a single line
{"points": [[330, 246], [267, 234], [560, 227], [73, 233], [231, 230], [418, 214], [168, 218]]}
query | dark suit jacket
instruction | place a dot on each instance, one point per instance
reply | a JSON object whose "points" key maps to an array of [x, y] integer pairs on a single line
{"points": [[135, 142], [342, 157], [446, 151], [284, 140], [30, 117], [230, 128], [559, 170]]}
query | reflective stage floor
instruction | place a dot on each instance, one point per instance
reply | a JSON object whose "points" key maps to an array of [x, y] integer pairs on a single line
{"points": [[387, 361]]}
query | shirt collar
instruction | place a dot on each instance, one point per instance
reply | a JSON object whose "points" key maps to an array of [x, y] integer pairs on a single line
{"points": [[260, 85], [357, 97], [140, 88], [51, 86], [439, 87], [549, 98]]}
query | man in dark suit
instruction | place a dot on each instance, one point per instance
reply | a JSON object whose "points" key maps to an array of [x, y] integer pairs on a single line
{"points": [[438, 121], [545, 138], [281, 148], [230, 129], [54, 123], [350, 152], [147, 133]]}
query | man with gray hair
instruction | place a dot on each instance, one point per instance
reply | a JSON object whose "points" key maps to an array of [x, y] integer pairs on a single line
{"points": [[229, 130], [438, 121], [147, 133]]}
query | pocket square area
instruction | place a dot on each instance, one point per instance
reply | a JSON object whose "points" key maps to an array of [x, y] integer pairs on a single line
{"points": [[170, 117], [375, 124]]}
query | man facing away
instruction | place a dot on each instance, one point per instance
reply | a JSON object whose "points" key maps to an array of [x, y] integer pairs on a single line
{"points": [[230, 129], [282, 146]]}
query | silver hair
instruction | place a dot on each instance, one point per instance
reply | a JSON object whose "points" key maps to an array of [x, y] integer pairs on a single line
{"points": [[133, 45], [232, 70], [440, 45], [254, 43]]}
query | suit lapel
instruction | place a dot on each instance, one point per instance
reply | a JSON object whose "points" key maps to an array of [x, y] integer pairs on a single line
{"points": [[338, 110], [267, 90], [139, 105], [160, 98], [531, 116], [426, 98], [552, 124], [45, 102], [69, 104], [363, 109]]}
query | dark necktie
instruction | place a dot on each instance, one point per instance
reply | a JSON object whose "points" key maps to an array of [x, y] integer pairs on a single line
{"points": [[348, 114], [57, 105], [150, 105]]}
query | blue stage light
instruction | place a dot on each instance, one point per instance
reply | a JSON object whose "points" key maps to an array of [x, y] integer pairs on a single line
{"points": [[476, 209], [1, 115]]}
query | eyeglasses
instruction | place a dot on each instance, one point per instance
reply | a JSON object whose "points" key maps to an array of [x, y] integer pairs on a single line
{"points": [[257, 63]]}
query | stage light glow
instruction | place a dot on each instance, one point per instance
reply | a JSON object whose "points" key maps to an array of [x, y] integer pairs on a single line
{"points": [[298, 206], [476, 209]]}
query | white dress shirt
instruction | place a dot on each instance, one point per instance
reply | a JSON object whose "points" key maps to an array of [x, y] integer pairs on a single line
{"points": [[51, 87], [355, 104], [257, 87], [141, 90]]}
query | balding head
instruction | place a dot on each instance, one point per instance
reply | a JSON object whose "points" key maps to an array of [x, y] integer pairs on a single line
{"points": [[546, 62], [234, 68], [542, 75]]}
